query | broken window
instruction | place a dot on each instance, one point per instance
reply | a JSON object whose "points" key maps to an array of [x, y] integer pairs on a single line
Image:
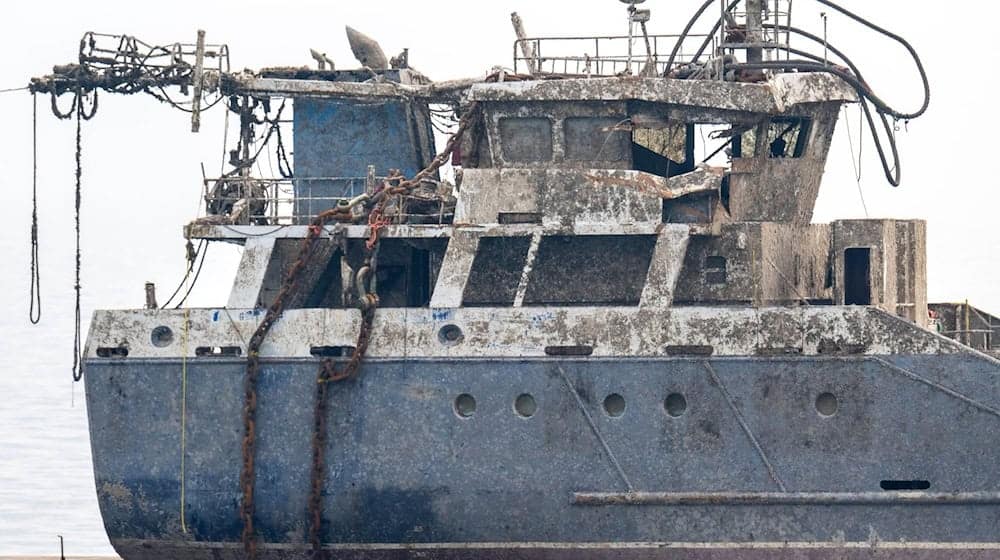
{"points": [[715, 270], [407, 271], [496, 271], [714, 143], [590, 270], [662, 147], [787, 137], [596, 139], [525, 140]]}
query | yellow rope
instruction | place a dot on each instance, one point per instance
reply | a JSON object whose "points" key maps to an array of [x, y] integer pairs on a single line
{"points": [[184, 349]]}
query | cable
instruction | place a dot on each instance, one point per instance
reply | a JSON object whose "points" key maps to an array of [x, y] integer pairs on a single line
{"points": [[35, 306], [194, 281], [78, 335], [900, 40], [687, 30], [856, 164], [187, 274], [892, 173], [11, 90]]}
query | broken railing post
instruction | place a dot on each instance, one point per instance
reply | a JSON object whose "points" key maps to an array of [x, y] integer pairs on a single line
{"points": [[527, 48]]}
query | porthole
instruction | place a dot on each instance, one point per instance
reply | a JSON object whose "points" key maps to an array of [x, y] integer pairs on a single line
{"points": [[525, 406], [161, 336], [827, 405], [614, 405], [465, 405], [675, 404], [450, 335]]}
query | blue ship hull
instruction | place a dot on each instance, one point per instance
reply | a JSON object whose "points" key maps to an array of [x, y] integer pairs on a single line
{"points": [[407, 476]]}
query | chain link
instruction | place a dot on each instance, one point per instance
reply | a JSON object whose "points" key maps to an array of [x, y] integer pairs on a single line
{"points": [[393, 188]]}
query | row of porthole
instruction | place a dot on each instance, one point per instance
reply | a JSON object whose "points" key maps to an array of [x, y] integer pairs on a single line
{"points": [[675, 405]]}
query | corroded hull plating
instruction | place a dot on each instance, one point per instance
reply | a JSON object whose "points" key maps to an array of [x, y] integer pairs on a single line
{"points": [[408, 477]]}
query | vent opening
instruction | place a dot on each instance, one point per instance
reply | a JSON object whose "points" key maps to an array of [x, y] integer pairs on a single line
{"points": [[112, 352], [582, 350], [690, 350], [332, 351], [904, 485], [217, 351]]}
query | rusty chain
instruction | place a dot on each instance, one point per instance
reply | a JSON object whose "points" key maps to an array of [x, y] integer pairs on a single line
{"points": [[394, 187]]}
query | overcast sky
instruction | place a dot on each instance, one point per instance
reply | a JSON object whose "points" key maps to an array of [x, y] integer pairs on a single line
{"points": [[142, 165]]}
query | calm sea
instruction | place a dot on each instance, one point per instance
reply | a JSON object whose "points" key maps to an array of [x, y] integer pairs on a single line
{"points": [[46, 477]]}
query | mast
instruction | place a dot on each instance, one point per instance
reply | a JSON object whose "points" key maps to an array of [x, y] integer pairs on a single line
{"points": [[755, 35]]}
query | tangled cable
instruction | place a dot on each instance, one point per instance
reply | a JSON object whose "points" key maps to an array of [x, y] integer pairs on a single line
{"points": [[815, 63]]}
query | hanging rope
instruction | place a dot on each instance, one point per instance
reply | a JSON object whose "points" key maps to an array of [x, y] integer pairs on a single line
{"points": [[78, 335], [35, 305]]}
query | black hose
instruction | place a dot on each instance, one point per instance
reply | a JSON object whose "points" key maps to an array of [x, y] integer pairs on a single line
{"points": [[817, 64], [687, 29], [892, 174], [900, 40]]}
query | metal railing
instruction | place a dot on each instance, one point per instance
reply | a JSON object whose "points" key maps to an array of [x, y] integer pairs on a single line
{"points": [[237, 200], [603, 56]]}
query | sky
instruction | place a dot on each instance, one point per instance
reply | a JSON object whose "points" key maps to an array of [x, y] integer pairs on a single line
{"points": [[141, 163]]}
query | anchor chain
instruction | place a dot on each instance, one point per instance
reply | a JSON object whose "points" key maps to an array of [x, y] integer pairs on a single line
{"points": [[394, 187]]}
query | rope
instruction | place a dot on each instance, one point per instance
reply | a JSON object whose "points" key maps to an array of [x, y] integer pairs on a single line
{"points": [[35, 306], [78, 338], [184, 353], [856, 164]]}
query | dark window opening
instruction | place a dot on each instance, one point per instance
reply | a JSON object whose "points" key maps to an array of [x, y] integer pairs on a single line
{"points": [[526, 140], [590, 270], [715, 270], [905, 485], [666, 150], [496, 271], [857, 277], [724, 193], [329, 291], [788, 137], [407, 271], [596, 139]]}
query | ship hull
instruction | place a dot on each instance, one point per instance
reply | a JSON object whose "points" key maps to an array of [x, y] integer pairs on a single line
{"points": [[753, 465], [142, 550]]}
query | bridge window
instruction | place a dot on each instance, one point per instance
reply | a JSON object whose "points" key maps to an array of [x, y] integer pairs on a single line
{"points": [[665, 149], [590, 270], [525, 140], [496, 271], [596, 139], [788, 137]]}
